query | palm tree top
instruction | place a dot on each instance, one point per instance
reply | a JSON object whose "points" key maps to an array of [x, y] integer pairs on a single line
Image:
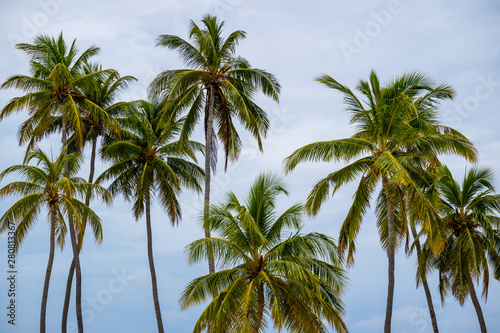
{"points": [[210, 52], [45, 184], [147, 161], [268, 267], [212, 60], [471, 205]]}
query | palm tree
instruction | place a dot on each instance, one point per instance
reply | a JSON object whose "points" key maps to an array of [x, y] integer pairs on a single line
{"points": [[270, 269], [391, 143], [472, 229], [103, 91], [45, 186], [146, 162], [219, 86], [55, 89]]}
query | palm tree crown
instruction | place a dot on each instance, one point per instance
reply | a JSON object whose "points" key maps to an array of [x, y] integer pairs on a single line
{"points": [[269, 269], [397, 133], [146, 160], [217, 79], [55, 88]]}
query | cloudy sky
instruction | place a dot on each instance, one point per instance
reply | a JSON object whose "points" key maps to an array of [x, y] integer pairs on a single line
{"points": [[455, 42]]}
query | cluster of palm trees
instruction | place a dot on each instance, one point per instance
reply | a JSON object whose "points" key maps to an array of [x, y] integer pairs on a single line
{"points": [[269, 272], [397, 142]]}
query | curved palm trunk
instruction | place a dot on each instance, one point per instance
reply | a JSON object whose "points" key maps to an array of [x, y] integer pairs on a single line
{"points": [[428, 296], [48, 272], [74, 245], [69, 282], [67, 297], [477, 306], [390, 256], [208, 162], [152, 265]]}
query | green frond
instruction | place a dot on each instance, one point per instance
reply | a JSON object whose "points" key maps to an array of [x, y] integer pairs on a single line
{"points": [[326, 151]]}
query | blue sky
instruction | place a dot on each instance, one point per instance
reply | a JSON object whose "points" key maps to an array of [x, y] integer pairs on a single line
{"points": [[455, 42]]}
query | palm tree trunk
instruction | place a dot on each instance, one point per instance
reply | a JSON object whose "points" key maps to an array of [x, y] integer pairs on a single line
{"points": [[390, 256], [67, 297], [74, 245], [69, 282], [477, 306], [260, 310], [208, 162], [87, 196], [48, 272], [428, 296], [152, 265]]}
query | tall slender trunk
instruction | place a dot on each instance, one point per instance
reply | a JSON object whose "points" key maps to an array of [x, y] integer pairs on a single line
{"points": [[48, 272], [208, 160], [69, 282], [67, 297], [390, 256], [477, 306], [152, 265], [74, 245], [424, 281], [260, 309]]}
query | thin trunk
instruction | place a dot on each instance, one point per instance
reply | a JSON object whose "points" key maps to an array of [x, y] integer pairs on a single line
{"points": [[74, 245], [260, 313], [67, 297], [87, 196], [424, 282], [477, 306], [208, 158], [92, 165], [390, 255], [43, 310], [69, 282], [152, 265]]}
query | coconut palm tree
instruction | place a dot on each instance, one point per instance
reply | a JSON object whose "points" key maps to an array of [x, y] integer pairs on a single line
{"points": [[391, 139], [469, 215], [269, 268], [104, 91], [218, 87], [148, 163], [54, 89], [45, 187]]}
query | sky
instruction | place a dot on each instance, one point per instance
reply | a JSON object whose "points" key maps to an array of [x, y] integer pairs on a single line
{"points": [[454, 42]]}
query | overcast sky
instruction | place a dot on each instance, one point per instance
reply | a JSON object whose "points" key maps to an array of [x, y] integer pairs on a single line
{"points": [[455, 42]]}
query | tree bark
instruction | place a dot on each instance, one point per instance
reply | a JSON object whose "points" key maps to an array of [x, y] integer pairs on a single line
{"points": [[43, 310], [152, 265], [390, 256], [67, 297], [74, 245], [69, 282], [260, 313], [428, 296], [477, 306], [208, 160]]}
